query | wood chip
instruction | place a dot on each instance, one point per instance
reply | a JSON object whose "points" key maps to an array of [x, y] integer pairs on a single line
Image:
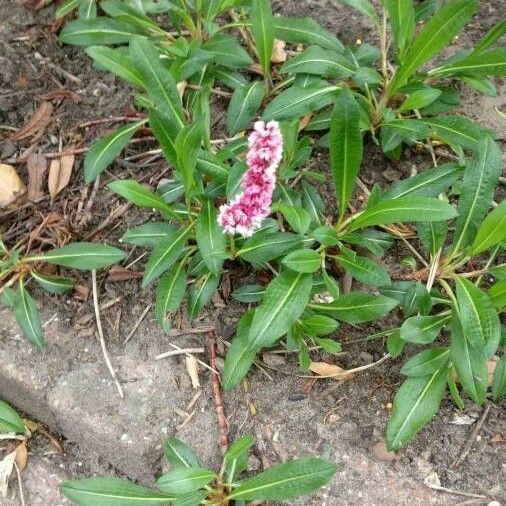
{"points": [[37, 170], [11, 186], [36, 124], [278, 51], [192, 368], [60, 171]]}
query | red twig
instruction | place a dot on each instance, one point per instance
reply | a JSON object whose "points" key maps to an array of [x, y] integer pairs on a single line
{"points": [[218, 400]]}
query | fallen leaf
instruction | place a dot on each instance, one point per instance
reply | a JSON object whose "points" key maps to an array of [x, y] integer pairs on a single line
{"points": [[192, 368], [11, 185], [60, 171], [118, 273], [81, 292], [21, 455], [36, 124], [497, 438], [37, 170], [491, 369], [6, 467], [181, 87], [278, 51], [330, 370]]}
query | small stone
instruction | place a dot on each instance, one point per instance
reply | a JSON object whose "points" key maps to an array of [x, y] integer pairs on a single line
{"points": [[380, 451]]}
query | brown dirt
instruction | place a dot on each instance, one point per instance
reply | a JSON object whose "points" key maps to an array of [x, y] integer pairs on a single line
{"points": [[290, 420]]}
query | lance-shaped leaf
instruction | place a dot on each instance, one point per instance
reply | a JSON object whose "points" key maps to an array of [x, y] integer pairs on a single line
{"points": [[97, 31], [244, 104], [27, 316], [115, 61], [169, 294], [249, 293], [423, 329], [492, 230], [403, 210], [402, 19], [419, 98], [157, 80], [357, 307], [210, 238], [130, 14], [107, 149], [165, 131], [66, 7], [165, 254], [187, 145], [227, 51], [346, 146], [262, 26], [426, 362], [434, 36], [362, 269], [303, 260], [471, 364], [10, 421], [87, 9], [415, 403], [398, 130], [480, 178], [112, 492], [200, 293], [296, 101], [305, 31], [286, 481], [265, 246], [53, 284], [148, 234], [363, 6], [480, 324], [486, 63], [179, 454], [499, 380], [185, 480], [235, 461], [83, 256], [497, 293], [494, 34]]}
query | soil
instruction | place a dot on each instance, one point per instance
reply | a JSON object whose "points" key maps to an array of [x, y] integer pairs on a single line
{"points": [[293, 418]]}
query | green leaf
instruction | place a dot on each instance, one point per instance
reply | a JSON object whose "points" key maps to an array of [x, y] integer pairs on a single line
{"points": [[346, 146], [284, 301], [96, 32], [165, 254], [321, 62], [457, 130], [415, 403], [83, 256], [402, 210], [303, 260], [480, 179], [497, 293], [165, 131], [286, 481], [210, 164], [416, 300], [494, 34], [210, 238], [244, 104], [262, 26], [87, 9], [187, 146], [148, 234], [325, 235], [185, 480], [498, 382], [363, 6], [357, 307], [53, 284], [296, 101], [120, 10], [480, 324], [319, 325], [200, 294], [157, 80], [433, 37], [370, 239], [432, 235], [169, 294], [471, 365], [115, 61], [426, 362], [491, 231], [452, 387], [227, 51], [141, 196], [265, 246], [363, 269], [398, 130], [402, 20], [191, 499], [486, 63], [423, 329], [10, 421], [395, 345], [235, 460], [428, 183], [305, 31], [66, 7], [171, 191], [179, 454], [249, 293], [230, 78], [419, 98], [299, 219], [103, 152], [111, 492]]}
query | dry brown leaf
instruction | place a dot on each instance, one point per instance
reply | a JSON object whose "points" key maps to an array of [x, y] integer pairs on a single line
{"points": [[21, 455], [11, 186], [37, 170], [60, 171], [192, 368], [330, 370], [36, 124], [118, 273], [6, 467], [81, 292], [278, 51], [181, 87]]}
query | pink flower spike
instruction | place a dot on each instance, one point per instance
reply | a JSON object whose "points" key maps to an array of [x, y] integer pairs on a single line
{"points": [[246, 212]]}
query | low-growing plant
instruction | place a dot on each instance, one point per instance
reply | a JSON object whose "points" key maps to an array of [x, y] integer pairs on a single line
{"points": [[17, 270], [10, 421], [304, 243], [189, 484]]}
